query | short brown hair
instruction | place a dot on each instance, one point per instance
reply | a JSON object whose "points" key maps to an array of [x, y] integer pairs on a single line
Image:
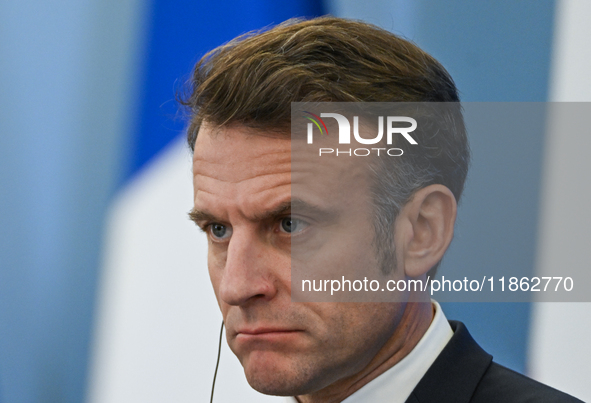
{"points": [[253, 80]]}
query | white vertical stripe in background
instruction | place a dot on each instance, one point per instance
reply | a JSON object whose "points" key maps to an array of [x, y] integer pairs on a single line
{"points": [[559, 353]]}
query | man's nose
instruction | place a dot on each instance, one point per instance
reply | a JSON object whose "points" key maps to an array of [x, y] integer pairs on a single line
{"points": [[248, 273]]}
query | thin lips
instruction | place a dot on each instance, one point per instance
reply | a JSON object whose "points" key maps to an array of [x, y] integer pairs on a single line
{"points": [[264, 330]]}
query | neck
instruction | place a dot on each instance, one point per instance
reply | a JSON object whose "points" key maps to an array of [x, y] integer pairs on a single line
{"points": [[413, 325]]}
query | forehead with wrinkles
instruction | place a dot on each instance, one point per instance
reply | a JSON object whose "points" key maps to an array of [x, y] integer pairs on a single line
{"points": [[233, 154], [234, 168]]}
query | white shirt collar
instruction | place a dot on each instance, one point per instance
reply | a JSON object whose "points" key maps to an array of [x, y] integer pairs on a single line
{"points": [[397, 383]]}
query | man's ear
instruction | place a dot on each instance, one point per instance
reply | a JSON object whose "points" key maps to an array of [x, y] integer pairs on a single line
{"points": [[424, 229]]}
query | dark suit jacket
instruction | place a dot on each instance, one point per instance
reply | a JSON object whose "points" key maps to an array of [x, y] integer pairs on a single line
{"points": [[464, 372]]}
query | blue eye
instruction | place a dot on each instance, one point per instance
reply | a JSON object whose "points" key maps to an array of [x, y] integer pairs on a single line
{"points": [[292, 225], [220, 231]]}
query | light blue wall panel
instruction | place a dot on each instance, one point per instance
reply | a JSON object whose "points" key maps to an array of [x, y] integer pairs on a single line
{"points": [[66, 83]]}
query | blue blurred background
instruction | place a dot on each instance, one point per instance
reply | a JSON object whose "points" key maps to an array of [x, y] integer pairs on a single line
{"points": [[87, 102]]}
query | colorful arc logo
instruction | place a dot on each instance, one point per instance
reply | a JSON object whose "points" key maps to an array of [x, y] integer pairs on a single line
{"points": [[315, 120]]}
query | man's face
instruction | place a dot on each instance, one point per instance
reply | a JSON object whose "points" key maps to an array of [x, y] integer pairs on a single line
{"points": [[242, 194]]}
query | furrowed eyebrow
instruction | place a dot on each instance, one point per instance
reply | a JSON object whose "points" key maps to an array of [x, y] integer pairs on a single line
{"points": [[302, 207], [199, 216], [290, 206], [282, 208]]}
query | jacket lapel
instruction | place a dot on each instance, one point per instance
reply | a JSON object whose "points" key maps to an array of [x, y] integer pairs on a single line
{"points": [[454, 375]]}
